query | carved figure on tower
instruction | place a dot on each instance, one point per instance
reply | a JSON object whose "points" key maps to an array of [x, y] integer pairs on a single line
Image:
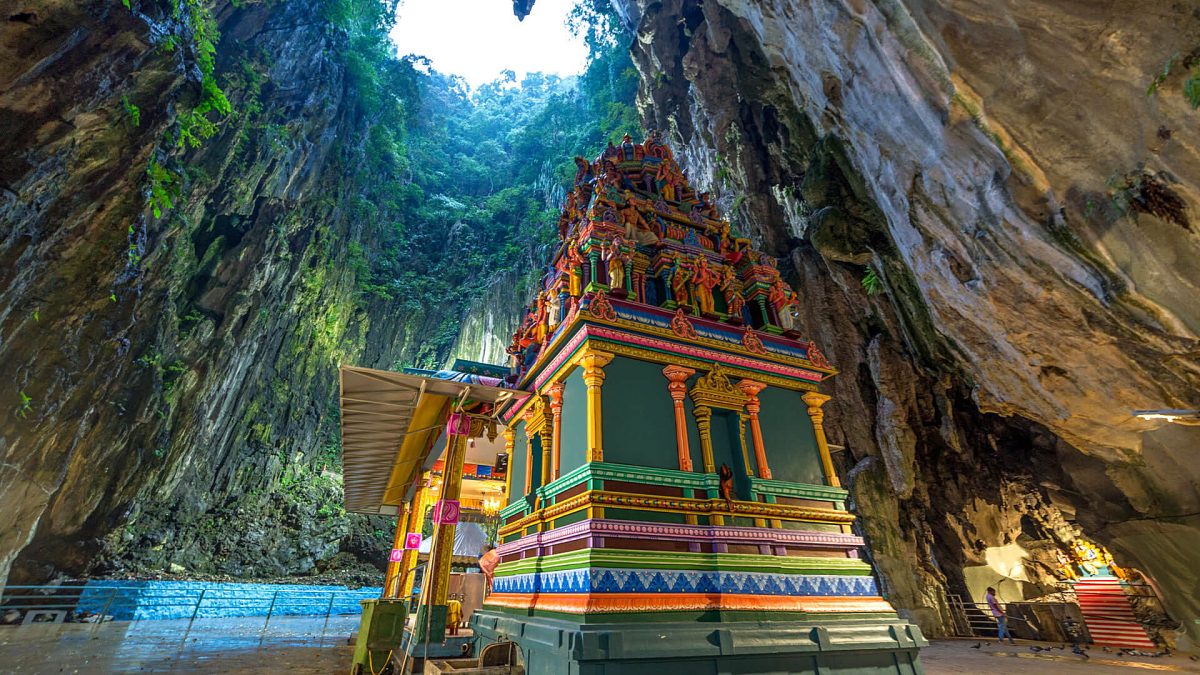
{"points": [[680, 276], [731, 289], [616, 257], [704, 279]]}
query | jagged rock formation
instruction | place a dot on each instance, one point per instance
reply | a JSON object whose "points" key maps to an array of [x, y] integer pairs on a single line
{"points": [[1029, 212], [170, 382]]}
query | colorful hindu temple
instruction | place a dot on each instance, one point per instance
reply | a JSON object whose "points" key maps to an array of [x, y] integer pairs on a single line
{"points": [[671, 500]]}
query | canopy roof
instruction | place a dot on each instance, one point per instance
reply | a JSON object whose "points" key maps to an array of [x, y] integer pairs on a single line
{"points": [[390, 423]]}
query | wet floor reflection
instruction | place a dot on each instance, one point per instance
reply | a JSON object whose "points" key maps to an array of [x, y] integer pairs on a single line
{"points": [[225, 645]]}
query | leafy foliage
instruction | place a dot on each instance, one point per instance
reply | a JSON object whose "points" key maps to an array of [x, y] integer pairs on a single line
{"points": [[467, 185], [871, 282], [164, 187]]}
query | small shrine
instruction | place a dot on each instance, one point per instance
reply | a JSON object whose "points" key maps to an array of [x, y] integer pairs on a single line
{"points": [[671, 500]]}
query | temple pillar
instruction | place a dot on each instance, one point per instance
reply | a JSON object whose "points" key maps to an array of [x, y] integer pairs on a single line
{"points": [[395, 568], [458, 430], [815, 401], [678, 376], [703, 416], [510, 442], [593, 363], [556, 403], [416, 518], [751, 389]]}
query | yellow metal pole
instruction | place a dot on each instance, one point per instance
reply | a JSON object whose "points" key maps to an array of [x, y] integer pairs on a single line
{"points": [[416, 518], [452, 477], [395, 568], [815, 401]]}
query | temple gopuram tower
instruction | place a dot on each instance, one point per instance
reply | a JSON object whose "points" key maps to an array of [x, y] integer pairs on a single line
{"points": [[672, 506]]}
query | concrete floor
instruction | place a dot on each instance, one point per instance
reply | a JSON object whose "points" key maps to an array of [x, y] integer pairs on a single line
{"points": [[309, 646]]}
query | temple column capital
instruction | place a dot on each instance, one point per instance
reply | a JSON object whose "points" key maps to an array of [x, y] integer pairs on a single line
{"points": [[751, 389], [677, 377], [814, 401]]}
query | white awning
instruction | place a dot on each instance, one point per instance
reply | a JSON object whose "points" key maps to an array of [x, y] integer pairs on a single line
{"points": [[390, 422]]}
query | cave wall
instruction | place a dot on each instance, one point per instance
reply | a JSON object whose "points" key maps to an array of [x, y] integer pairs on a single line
{"points": [[170, 396], [1030, 214]]}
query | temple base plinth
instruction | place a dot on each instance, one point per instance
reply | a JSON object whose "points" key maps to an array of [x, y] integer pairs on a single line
{"points": [[830, 645]]}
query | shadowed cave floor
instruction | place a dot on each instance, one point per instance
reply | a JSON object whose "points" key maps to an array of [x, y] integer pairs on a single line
{"points": [[307, 646]]}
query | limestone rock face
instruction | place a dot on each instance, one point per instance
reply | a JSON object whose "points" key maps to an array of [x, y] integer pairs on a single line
{"points": [[1030, 214], [169, 381]]}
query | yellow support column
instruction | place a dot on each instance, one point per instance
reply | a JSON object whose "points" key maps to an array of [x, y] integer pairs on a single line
{"points": [[593, 363], [452, 477], [815, 401], [510, 442], [395, 568], [416, 518], [703, 416]]}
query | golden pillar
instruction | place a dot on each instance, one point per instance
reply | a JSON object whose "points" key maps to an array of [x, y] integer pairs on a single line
{"points": [[703, 415], [593, 363], [510, 442], [751, 389], [416, 518], [395, 568], [678, 376], [528, 459], [537, 420], [556, 403], [459, 429], [815, 401]]}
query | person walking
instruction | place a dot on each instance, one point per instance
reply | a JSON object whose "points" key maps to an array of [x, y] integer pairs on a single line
{"points": [[999, 615]]}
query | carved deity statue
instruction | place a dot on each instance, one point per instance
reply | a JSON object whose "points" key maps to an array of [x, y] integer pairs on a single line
{"points": [[636, 227], [553, 308], [783, 299], [571, 264], [616, 258], [731, 288], [680, 276], [704, 279]]}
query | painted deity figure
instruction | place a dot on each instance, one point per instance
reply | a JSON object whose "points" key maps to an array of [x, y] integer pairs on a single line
{"points": [[583, 171], [616, 259], [783, 299], [668, 180], [731, 288], [636, 227], [680, 276], [553, 308], [1065, 569], [704, 279]]}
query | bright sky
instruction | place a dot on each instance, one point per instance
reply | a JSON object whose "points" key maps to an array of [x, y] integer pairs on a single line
{"points": [[479, 38]]}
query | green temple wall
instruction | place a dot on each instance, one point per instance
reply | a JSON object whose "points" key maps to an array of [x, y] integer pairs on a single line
{"points": [[638, 415], [516, 464], [573, 444], [788, 437], [727, 449]]}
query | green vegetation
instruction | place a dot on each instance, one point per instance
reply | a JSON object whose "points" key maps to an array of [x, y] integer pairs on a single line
{"points": [[466, 185], [871, 282], [131, 111], [1191, 84], [164, 188], [25, 406]]}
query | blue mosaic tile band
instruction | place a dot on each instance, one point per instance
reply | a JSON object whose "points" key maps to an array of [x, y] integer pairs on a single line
{"points": [[606, 580]]}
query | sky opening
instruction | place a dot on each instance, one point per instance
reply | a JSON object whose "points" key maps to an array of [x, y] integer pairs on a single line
{"points": [[478, 39]]}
